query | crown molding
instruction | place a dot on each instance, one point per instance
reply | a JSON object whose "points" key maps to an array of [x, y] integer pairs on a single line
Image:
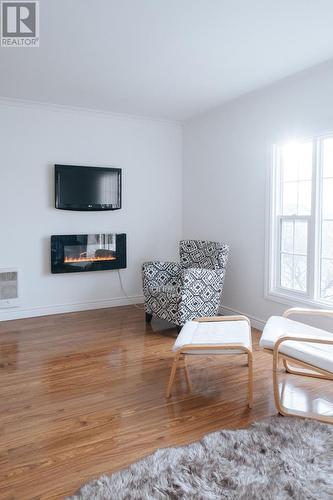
{"points": [[9, 101]]}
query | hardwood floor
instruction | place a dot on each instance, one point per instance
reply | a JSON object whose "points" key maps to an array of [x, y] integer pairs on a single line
{"points": [[84, 393]]}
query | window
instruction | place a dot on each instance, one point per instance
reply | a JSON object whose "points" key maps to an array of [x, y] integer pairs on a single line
{"points": [[301, 221]]}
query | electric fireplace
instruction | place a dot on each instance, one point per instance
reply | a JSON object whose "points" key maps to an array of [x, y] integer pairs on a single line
{"points": [[87, 252]]}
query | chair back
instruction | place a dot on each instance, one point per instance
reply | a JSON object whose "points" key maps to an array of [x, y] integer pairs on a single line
{"points": [[205, 254]]}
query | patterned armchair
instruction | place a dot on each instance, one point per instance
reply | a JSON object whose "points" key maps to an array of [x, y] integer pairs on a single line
{"points": [[178, 292]]}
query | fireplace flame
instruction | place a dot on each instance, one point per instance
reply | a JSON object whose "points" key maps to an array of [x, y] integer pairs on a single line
{"points": [[73, 260]]}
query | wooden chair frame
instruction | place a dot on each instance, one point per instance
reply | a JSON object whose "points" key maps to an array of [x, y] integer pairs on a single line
{"points": [[306, 369], [180, 354]]}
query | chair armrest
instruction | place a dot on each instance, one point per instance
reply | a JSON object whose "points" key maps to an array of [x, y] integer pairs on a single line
{"points": [[292, 338], [161, 263], [158, 273], [311, 312]]}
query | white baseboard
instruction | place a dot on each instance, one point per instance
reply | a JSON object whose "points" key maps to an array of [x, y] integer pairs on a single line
{"points": [[255, 322], [19, 313]]}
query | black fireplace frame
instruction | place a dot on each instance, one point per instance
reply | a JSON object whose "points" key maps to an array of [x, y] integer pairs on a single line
{"points": [[58, 265]]}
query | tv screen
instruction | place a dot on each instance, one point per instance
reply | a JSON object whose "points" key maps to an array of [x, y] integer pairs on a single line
{"points": [[87, 188]]}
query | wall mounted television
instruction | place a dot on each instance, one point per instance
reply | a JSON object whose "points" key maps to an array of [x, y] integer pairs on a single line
{"points": [[87, 188]]}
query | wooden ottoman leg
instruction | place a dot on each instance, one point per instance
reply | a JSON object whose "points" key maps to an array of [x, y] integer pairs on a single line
{"points": [[276, 389], [250, 382], [172, 374], [187, 376]]}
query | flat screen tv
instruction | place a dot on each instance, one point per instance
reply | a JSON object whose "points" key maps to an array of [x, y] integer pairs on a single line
{"points": [[87, 188]]}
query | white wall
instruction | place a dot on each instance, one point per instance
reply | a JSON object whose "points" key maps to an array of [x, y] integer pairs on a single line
{"points": [[226, 161], [32, 139]]}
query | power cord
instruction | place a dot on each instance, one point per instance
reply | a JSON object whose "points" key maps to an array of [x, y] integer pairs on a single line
{"points": [[124, 292]]}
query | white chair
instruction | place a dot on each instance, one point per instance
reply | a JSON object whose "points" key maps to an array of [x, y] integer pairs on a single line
{"points": [[308, 348], [219, 335]]}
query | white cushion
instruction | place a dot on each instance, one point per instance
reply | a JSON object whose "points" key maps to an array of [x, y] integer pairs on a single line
{"points": [[214, 332], [319, 355]]}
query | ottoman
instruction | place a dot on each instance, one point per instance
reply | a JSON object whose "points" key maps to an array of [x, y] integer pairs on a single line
{"points": [[219, 335]]}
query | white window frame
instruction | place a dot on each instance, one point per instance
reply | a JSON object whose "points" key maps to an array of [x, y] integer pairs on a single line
{"points": [[273, 291]]}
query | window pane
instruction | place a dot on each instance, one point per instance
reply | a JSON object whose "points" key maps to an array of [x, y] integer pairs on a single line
{"points": [[327, 279], [305, 161], [299, 273], [296, 161], [301, 237], [296, 198], [328, 198], [296, 177], [328, 157], [327, 239], [289, 197], [304, 198], [326, 272], [287, 236], [294, 248], [286, 271], [289, 163]]}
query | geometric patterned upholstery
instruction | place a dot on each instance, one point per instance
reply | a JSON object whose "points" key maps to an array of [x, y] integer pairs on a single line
{"points": [[207, 254], [179, 292]]}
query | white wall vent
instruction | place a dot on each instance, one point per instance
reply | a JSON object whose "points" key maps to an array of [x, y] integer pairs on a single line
{"points": [[9, 294]]}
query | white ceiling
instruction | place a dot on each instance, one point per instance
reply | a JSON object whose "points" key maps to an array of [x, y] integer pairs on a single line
{"points": [[165, 58]]}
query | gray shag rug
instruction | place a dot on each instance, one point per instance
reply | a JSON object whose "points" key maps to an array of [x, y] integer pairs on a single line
{"points": [[279, 458]]}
